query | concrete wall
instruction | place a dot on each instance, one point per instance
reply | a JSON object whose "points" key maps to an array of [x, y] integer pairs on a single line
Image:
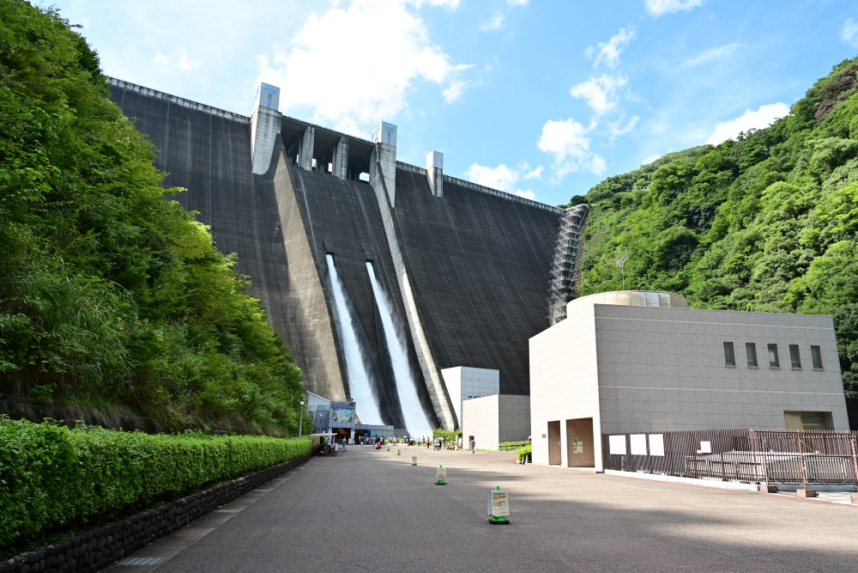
{"points": [[514, 418], [564, 381], [479, 268], [663, 369], [482, 422], [495, 419]]}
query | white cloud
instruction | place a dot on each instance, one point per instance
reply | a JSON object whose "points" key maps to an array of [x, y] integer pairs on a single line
{"points": [[759, 119], [849, 33], [534, 174], [609, 52], [493, 23], [353, 97], [526, 194], [451, 4], [454, 91], [650, 159], [517, 2], [718, 53], [567, 141], [599, 92], [177, 60], [617, 130], [659, 7], [500, 177]]}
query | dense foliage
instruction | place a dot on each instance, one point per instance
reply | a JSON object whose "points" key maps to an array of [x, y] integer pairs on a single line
{"points": [[764, 223], [447, 436], [55, 479], [111, 294], [526, 450]]}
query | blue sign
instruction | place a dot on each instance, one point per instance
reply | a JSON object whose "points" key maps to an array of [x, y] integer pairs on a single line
{"points": [[341, 405]]}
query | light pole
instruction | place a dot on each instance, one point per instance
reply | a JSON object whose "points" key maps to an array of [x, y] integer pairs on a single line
{"points": [[301, 423], [622, 264]]}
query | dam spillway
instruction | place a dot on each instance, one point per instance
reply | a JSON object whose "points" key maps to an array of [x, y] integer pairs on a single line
{"points": [[466, 269]]}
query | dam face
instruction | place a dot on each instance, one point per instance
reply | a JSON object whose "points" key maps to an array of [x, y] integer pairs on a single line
{"points": [[465, 271]]}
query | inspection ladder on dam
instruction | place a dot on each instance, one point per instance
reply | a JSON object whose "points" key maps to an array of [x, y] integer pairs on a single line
{"points": [[562, 286]]}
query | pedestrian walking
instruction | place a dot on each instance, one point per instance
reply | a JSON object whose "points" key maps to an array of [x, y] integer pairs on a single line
{"points": [[473, 445], [345, 441]]}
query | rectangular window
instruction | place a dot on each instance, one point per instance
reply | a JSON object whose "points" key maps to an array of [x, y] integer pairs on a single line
{"points": [[773, 355], [816, 355], [729, 358], [794, 356], [751, 350]]}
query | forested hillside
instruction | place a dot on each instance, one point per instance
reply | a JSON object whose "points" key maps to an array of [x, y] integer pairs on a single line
{"points": [[765, 223], [111, 295]]}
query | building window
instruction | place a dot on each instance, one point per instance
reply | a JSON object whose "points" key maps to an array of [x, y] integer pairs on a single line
{"points": [[794, 356], [751, 350], [729, 358], [816, 355], [773, 356]]}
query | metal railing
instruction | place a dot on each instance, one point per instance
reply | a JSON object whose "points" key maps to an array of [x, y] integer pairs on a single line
{"points": [[764, 456]]}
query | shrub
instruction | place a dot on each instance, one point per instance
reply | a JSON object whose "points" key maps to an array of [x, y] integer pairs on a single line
{"points": [[447, 436], [53, 479], [509, 446], [523, 451]]}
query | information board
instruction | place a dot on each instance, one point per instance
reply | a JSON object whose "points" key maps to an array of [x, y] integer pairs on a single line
{"points": [[499, 503], [441, 474], [343, 416], [638, 442], [656, 444], [618, 445]]}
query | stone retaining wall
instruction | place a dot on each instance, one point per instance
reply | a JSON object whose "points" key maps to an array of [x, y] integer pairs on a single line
{"points": [[96, 549]]}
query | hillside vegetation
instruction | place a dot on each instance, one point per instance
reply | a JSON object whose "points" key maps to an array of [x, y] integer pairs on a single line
{"points": [[111, 295], [765, 223]]}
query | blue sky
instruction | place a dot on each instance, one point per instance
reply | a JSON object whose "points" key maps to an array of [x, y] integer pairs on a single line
{"points": [[544, 99]]}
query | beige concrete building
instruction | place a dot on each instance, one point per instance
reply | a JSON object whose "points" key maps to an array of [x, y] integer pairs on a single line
{"points": [[491, 420], [642, 361]]}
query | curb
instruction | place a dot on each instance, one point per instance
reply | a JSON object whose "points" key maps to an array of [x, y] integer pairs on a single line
{"points": [[100, 547]]}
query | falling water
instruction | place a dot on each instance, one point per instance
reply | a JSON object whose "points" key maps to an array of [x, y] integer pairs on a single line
{"points": [[412, 411], [361, 389]]}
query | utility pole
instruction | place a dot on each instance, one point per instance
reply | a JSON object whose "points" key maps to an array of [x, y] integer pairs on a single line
{"points": [[622, 264], [301, 424]]}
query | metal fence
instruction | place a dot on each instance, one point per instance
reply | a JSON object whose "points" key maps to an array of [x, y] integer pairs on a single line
{"points": [[765, 456]]}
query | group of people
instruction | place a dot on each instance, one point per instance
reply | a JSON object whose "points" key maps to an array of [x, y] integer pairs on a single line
{"points": [[340, 443]]}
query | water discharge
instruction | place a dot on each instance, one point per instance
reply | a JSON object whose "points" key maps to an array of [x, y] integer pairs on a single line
{"points": [[415, 418], [356, 369]]}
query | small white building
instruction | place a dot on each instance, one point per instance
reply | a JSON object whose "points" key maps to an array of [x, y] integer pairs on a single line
{"points": [[635, 361], [464, 383], [492, 420]]}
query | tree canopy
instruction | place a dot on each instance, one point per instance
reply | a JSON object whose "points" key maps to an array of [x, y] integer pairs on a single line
{"points": [[112, 295]]}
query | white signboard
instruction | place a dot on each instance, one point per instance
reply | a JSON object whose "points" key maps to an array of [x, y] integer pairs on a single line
{"points": [[441, 474], [656, 444], [638, 444], [414, 460], [618, 445], [499, 503], [705, 448]]}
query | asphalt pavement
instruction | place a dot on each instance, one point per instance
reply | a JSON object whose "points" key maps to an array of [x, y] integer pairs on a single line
{"points": [[373, 511]]}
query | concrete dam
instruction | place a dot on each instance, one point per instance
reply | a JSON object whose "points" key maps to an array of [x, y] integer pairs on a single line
{"points": [[377, 274]]}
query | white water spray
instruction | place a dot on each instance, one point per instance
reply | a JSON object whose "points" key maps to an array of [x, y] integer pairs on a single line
{"points": [[359, 384], [412, 411]]}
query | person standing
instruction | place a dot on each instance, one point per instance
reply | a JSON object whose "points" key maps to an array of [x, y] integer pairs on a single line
{"points": [[345, 441], [473, 445]]}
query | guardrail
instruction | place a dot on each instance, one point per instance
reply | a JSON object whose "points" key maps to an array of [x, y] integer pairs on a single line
{"points": [[765, 456]]}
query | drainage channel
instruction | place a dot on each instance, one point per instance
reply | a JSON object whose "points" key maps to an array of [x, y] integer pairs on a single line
{"points": [[161, 550]]}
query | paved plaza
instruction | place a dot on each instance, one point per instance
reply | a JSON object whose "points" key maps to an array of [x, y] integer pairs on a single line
{"points": [[372, 511]]}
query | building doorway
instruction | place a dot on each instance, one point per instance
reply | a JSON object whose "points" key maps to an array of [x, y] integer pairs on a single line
{"points": [[579, 443], [554, 455]]}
